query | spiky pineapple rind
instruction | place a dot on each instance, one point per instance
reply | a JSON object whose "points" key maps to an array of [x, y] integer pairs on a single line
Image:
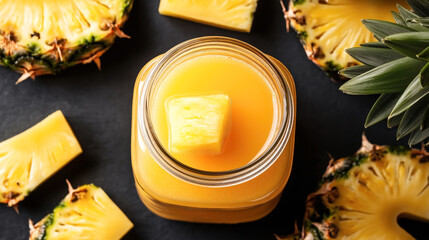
{"points": [[47, 223], [314, 52], [321, 217], [45, 64], [342, 172], [41, 229], [86, 212], [30, 59]]}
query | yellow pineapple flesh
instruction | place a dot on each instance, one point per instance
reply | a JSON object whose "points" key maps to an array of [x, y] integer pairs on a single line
{"points": [[327, 28], [230, 14], [199, 123], [85, 213], [29, 158], [362, 196], [40, 37]]}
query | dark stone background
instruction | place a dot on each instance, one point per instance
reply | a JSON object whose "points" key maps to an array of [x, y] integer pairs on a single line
{"points": [[98, 107]]}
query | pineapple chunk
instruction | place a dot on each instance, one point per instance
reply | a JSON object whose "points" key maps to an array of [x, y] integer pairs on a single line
{"points": [[199, 124], [85, 213], [32, 156], [230, 14]]}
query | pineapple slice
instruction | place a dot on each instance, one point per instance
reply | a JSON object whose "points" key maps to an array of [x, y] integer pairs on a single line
{"points": [[85, 213], [230, 14], [199, 123], [31, 157], [40, 37], [362, 196], [327, 28]]}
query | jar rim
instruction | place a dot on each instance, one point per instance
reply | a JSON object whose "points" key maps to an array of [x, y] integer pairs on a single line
{"points": [[204, 177]]}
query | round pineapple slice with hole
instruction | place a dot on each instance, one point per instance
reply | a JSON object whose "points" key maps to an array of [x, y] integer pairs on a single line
{"points": [[45, 36], [362, 196], [86, 212], [327, 28]]}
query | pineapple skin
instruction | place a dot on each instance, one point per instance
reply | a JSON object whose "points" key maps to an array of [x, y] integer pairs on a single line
{"points": [[29, 158], [33, 52], [86, 212], [345, 195]]}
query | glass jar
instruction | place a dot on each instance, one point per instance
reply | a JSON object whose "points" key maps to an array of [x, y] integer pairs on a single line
{"points": [[176, 191]]}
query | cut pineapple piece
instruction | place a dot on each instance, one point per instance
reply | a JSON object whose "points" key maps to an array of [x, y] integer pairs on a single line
{"points": [[40, 37], [230, 14], [362, 196], [327, 28], [85, 213], [31, 157], [199, 123]]}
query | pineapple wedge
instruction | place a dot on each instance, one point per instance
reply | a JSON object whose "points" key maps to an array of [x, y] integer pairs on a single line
{"points": [[199, 124], [85, 213], [230, 14], [31, 157]]}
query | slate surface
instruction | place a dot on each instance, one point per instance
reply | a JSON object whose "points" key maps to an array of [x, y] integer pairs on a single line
{"points": [[98, 107]]}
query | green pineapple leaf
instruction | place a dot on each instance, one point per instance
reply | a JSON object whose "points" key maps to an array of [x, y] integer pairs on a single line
{"points": [[421, 7], [418, 136], [422, 21], [355, 71], [378, 37], [408, 16], [382, 108], [397, 67], [391, 77], [424, 55], [424, 76], [405, 13], [394, 121], [412, 120], [409, 44], [373, 56], [410, 96], [398, 18], [417, 26], [425, 122], [382, 29], [374, 44]]}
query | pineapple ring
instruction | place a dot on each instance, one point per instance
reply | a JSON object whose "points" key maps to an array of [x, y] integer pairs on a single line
{"points": [[44, 36], [326, 28], [362, 196]]}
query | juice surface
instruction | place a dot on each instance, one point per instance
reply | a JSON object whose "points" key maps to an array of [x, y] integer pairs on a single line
{"points": [[174, 198], [252, 100]]}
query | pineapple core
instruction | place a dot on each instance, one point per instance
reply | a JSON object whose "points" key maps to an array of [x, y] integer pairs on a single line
{"points": [[198, 124]]}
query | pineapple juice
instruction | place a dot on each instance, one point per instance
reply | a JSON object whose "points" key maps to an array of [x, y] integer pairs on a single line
{"points": [[217, 188], [252, 102]]}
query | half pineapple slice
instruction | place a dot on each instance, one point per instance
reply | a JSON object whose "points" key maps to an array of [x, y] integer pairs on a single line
{"points": [[230, 14], [44, 36], [31, 157], [362, 196], [85, 213], [327, 28]]}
